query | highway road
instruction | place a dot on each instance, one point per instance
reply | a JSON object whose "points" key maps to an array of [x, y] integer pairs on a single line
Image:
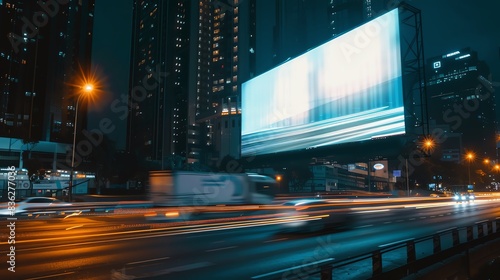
{"points": [[127, 246]]}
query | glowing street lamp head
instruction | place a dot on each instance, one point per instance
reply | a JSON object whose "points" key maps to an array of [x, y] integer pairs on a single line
{"points": [[470, 156], [88, 85], [429, 143], [88, 88]]}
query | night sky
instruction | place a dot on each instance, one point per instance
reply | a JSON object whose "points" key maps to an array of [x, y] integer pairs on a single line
{"points": [[452, 25], [111, 59], [447, 26]]}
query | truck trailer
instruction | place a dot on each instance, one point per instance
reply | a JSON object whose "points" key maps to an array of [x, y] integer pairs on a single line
{"points": [[185, 188]]}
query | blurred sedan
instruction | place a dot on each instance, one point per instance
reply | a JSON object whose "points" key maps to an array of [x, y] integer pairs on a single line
{"points": [[310, 215], [464, 197], [41, 204]]}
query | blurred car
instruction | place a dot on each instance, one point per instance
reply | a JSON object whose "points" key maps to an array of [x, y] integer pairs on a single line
{"points": [[40, 204], [437, 194], [464, 197], [310, 215]]}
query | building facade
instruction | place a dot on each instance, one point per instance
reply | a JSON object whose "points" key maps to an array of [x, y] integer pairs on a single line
{"points": [[460, 102], [159, 99], [46, 51], [223, 58]]}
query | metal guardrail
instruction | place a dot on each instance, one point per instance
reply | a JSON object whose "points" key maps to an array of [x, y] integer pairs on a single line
{"points": [[476, 234]]}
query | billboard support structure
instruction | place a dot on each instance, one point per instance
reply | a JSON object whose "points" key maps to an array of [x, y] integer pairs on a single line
{"points": [[413, 61]]}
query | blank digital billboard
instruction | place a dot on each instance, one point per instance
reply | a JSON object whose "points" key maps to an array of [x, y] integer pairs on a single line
{"points": [[346, 90]]}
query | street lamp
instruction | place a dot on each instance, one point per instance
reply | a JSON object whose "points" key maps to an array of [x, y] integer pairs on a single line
{"points": [[470, 157], [87, 89], [278, 179], [427, 146]]}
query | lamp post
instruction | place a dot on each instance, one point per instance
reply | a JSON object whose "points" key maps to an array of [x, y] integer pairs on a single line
{"points": [[88, 88], [278, 179], [470, 156]]}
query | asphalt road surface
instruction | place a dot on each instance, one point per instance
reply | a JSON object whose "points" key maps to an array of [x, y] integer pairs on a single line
{"points": [[129, 247]]}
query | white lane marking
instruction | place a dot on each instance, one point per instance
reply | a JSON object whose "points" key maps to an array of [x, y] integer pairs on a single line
{"points": [[291, 268], [220, 249], [182, 268], [387, 222], [370, 211], [50, 276], [397, 242], [275, 240], [74, 227], [364, 226], [150, 260]]}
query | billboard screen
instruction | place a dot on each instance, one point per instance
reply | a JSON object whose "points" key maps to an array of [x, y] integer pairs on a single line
{"points": [[346, 90]]}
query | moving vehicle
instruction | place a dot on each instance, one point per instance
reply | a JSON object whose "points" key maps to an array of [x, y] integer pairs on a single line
{"points": [[38, 204], [463, 193], [310, 215], [464, 197], [184, 188]]}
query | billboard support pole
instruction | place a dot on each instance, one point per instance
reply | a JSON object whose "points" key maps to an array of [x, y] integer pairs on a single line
{"points": [[407, 178]]}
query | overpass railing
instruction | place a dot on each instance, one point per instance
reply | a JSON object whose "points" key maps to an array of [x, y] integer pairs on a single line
{"points": [[400, 259]]}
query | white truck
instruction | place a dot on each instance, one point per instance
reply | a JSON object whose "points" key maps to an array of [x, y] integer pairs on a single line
{"points": [[184, 188]]}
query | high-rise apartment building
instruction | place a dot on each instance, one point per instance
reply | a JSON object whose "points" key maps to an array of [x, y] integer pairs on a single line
{"points": [[159, 100], [47, 47], [460, 102], [45, 50], [222, 54], [193, 113]]}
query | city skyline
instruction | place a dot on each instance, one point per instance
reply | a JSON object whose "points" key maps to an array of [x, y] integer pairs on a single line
{"points": [[111, 103], [446, 28]]}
